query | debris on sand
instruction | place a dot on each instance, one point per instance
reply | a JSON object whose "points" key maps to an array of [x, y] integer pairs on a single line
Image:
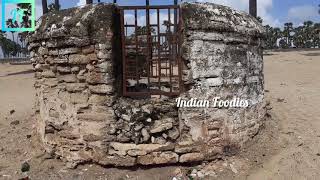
{"points": [[25, 167], [12, 111], [14, 123], [233, 169]]}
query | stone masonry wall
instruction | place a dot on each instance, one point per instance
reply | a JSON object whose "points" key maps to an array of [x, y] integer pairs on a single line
{"points": [[222, 52], [72, 51], [84, 118]]}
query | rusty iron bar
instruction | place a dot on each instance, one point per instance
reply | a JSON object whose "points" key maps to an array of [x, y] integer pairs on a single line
{"points": [[159, 52], [149, 58], [150, 7], [136, 41], [170, 51], [123, 41], [165, 55], [179, 56]]}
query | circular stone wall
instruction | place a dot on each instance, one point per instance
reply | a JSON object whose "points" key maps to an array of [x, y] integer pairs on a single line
{"points": [[83, 118]]}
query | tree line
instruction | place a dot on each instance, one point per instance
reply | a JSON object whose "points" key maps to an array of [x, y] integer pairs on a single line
{"points": [[303, 36]]}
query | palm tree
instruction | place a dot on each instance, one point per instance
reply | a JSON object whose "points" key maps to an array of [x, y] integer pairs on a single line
{"points": [[316, 33], [45, 7], [308, 33], [288, 27], [253, 8], [11, 24], [298, 37]]}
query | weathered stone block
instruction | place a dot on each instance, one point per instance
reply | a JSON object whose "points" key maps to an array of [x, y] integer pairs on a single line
{"points": [[102, 89], [158, 158], [98, 117], [71, 50], [88, 49], [79, 98], [92, 138], [214, 82], [117, 160], [76, 87], [64, 69], [78, 59], [162, 125], [69, 78], [43, 51], [48, 74], [102, 100], [191, 157], [99, 78], [104, 55]]}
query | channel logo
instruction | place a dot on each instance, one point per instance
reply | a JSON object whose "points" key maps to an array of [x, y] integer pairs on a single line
{"points": [[18, 15]]}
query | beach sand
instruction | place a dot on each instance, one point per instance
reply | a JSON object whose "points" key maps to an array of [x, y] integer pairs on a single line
{"points": [[287, 148]]}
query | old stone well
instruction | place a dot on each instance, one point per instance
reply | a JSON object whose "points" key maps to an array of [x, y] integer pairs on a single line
{"points": [[85, 118]]}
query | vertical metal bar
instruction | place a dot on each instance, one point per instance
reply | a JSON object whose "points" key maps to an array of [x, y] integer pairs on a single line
{"points": [[253, 8], [170, 50], [148, 40], [126, 29], [136, 43], [123, 54], [159, 55], [179, 51]]}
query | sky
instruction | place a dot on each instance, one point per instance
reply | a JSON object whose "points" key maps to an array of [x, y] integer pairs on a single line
{"points": [[274, 12]]}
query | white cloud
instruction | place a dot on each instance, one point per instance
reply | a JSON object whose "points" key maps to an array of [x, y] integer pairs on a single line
{"points": [[302, 13], [264, 7], [81, 3]]}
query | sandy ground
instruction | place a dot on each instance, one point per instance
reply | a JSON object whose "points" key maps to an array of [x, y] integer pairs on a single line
{"points": [[287, 148]]}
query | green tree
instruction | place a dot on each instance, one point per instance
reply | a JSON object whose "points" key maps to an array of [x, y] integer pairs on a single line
{"points": [[307, 34], [298, 37], [260, 19], [288, 27]]}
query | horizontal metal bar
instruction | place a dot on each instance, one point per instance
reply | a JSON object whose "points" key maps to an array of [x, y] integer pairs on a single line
{"points": [[150, 7], [129, 25], [137, 94]]}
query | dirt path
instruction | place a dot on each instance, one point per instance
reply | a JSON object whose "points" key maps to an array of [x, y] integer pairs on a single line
{"points": [[295, 78], [288, 148]]}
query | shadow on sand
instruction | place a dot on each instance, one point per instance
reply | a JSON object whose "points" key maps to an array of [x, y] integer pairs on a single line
{"points": [[19, 73], [312, 54]]}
